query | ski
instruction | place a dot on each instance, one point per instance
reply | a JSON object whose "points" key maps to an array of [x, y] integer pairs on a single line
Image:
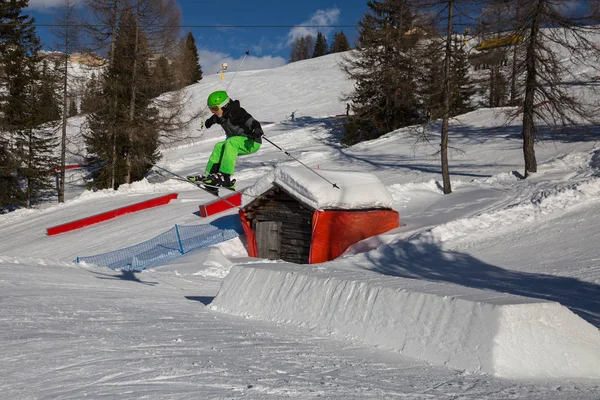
{"points": [[178, 177], [212, 189], [201, 185]]}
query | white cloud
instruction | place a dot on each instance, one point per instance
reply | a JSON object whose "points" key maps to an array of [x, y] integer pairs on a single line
{"points": [[211, 61], [320, 17]]}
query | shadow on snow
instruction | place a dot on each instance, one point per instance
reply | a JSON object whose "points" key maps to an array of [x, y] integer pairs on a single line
{"points": [[426, 261]]}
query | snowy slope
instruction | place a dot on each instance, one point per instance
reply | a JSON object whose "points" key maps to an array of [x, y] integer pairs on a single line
{"points": [[70, 331]]}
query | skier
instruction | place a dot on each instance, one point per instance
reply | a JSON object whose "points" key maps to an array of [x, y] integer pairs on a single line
{"points": [[243, 136]]}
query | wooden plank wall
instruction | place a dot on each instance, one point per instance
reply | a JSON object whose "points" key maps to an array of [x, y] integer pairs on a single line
{"points": [[295, 229]]}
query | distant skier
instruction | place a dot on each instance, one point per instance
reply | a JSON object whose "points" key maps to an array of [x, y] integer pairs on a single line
{"points": [[243, 136]]}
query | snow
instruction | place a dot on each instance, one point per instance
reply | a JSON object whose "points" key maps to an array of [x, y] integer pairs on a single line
{"points": [[491, 292], [474, 330], [327, 190]]}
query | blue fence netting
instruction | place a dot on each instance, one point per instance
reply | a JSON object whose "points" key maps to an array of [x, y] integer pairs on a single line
{"points": [[169, 245]]}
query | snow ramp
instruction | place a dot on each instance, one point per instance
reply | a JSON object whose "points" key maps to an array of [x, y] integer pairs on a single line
{"points": [[463, 328]]}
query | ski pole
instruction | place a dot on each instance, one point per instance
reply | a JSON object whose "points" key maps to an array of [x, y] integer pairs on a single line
{"points": [[301, 163], [238, 68]]}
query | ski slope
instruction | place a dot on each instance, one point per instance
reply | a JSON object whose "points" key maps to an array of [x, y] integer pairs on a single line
{"points": [[477, 295]]}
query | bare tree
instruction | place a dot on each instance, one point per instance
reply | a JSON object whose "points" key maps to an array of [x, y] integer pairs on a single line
{"points": [[555, 39], [447, 93], [66, 30], [101, 26], [445, 13], [494, 31], [302, 48]]}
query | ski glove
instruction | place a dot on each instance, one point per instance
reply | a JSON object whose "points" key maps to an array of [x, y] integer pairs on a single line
{"points": [[257, 133], [208, 123]]}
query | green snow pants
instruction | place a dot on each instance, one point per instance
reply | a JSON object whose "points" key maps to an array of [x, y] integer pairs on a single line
{"points": [[224, 155]]}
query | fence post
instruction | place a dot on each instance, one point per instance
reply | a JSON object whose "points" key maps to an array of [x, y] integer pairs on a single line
{"points": [[179, 239]]}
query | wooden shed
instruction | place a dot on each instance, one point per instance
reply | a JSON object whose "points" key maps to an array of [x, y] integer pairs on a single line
{"points": [[301, 218]]}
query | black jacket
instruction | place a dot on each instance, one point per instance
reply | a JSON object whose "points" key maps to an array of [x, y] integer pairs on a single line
{"points": [[237, 122]]}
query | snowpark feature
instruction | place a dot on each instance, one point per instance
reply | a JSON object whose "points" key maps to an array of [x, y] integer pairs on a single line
{"points": [[467, 329], [305, 220], [105, 216], [72, 331], [167, 246]]}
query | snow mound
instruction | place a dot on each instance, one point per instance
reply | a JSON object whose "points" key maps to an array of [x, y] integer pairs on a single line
{"points": [[463, 328], [355, 190]]}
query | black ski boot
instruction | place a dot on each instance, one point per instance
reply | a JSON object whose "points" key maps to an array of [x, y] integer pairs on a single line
{"points": [[200, 179], [221, 179]]}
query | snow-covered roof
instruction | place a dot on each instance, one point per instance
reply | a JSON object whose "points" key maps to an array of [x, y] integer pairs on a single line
{"points": [[357, 190]]}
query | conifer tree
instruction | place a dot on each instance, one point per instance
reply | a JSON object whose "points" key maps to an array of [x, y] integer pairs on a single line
{"points": [[11, 32], [20, 102], [72, 108], [384, 71], [190, 63], [163, 78], [340, 43], [124, 133], [91, 99], [49, 107], [10, 191], [498, 90], [430, 79], [320, 46], [460, 77]]}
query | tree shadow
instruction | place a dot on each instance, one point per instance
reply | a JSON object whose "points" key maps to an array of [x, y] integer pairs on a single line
{"points": [[206, 300], [125, 276], [481, 135], [335, 125], [426, 261]]}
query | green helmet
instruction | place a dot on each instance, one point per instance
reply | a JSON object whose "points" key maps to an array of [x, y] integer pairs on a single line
{"points": [[217, 99]]}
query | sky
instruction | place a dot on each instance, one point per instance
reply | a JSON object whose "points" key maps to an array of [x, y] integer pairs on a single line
{"points": [[490, 292], [269, 47]]}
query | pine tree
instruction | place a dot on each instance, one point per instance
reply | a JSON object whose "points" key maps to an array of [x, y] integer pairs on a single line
{"points": [[91, 100], [49, 108], [460, 77], [430, 84], [192, 72], [11, 53], [124, 132], [340, 43], [72, 108], [21, 100], [10, 191], [384, 71], [498, 93], [320, 46], [163, 79]]}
